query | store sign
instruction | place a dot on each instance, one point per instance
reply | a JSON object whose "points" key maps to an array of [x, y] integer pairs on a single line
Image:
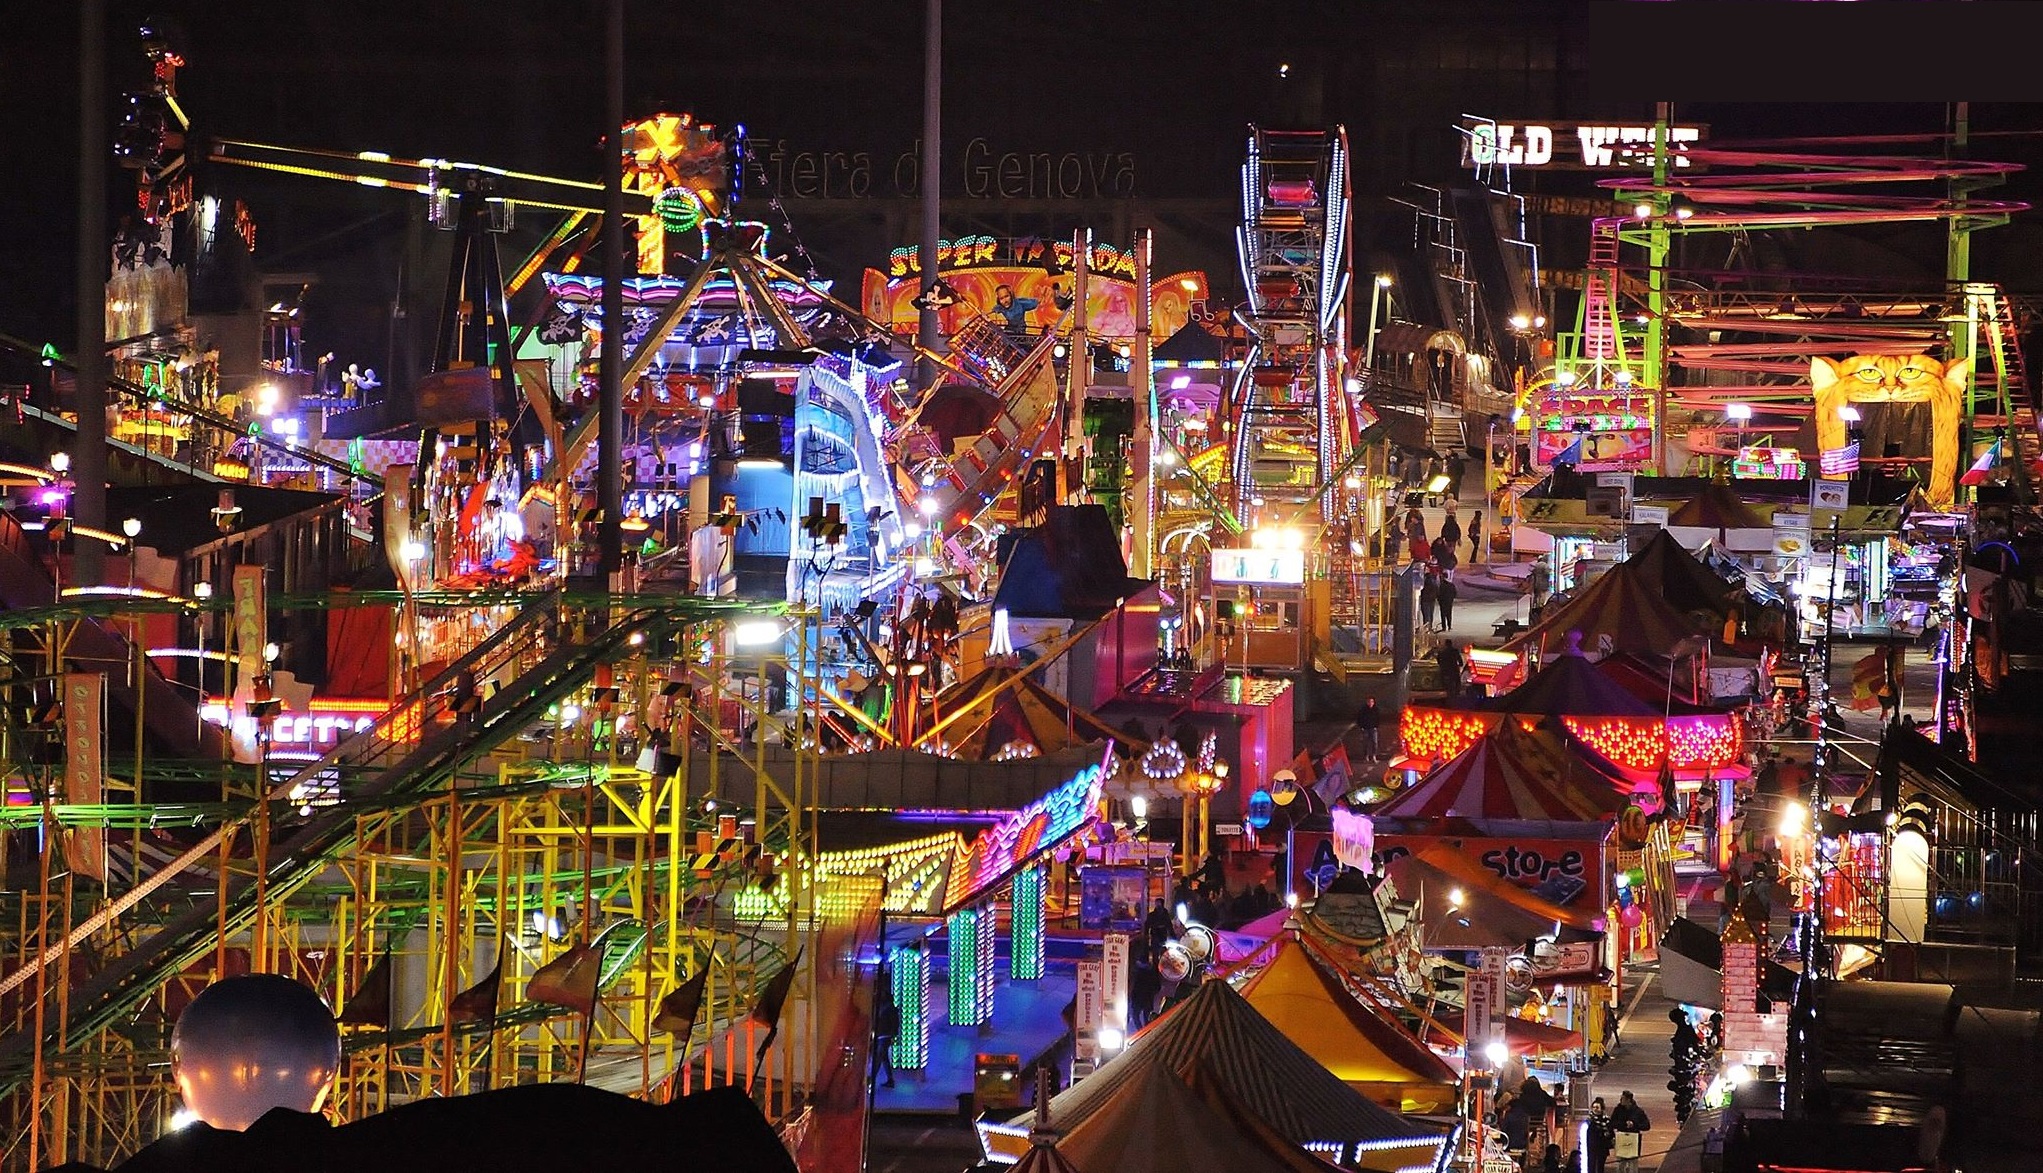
{"points": [[1570, 146], [251, 620], [1835, 495], [1649, 515], [1259, 567]]}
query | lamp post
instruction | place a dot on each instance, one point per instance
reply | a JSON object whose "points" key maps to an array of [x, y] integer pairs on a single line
{"points": [[1378, 290]]}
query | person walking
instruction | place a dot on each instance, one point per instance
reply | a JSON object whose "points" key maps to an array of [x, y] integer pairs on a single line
{"points": [[1449, 660], [886, 1027], [1457, 467], [1540, 581], [1429, 597], [1369, 719], [1475, 539], [1445, 596], [1443, 553], [1600, 1135], [1415, 524], [1451, 529], [1629, 1125]]}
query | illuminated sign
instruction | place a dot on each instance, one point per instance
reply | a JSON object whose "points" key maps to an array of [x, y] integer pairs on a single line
{"points": [[1259, 567], [1039, 826], [979, 252], [1570, 146], [325, 725], [1761, 463]]}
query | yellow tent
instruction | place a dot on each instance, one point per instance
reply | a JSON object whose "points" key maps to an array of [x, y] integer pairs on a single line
{"points": [[1363, 1046]]}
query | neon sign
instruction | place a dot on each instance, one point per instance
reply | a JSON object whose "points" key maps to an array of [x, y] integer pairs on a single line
{"points": [[1039, 826], [1572, 146]]}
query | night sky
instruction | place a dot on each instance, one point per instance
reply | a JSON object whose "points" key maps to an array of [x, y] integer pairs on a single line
{"points": [[1113, 100]]}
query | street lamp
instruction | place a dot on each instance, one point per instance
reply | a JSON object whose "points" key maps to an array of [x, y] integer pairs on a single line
{"points": [[60, 462], [1741, 412], [1379, 290]]}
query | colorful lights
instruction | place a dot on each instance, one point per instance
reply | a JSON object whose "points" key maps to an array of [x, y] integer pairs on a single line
{"points": [[908, 970], [970, 933], [1038, 826], [1439, 734], [1025, 952], [1688, 744]]}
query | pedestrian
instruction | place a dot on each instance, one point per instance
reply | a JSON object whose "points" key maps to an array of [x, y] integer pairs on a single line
{"points": [[1448, 659], [1429, 597], [1600, 1135], [1451, 529], [1415, 524], [886, 1027], [1540, 581], [1552, 1162], [1628, 1125], [1421, 551], [1445, 596], [1441, 552], [1475, 538], [1369, 720], [1516, 1124], [1457, 466]]}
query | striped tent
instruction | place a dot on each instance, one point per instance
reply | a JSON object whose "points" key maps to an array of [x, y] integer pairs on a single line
{"points": [[1515, 773], [1621, 612], [1216, 1036]]}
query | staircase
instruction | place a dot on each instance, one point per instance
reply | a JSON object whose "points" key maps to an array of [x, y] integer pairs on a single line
{"points": [[413, 750], [2007, 378], [1599, 293]]}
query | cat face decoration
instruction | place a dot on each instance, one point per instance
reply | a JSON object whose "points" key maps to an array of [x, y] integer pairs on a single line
{"points": [[1889, 378]]}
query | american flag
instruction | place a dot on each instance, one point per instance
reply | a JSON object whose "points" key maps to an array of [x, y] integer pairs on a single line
{"points": [[1839, 461]]}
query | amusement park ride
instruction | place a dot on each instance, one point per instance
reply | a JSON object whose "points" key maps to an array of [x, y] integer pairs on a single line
{"points": [[578, 838]]}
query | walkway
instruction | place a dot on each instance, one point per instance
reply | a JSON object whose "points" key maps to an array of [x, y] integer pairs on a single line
{"points": [[1640, 1062]]}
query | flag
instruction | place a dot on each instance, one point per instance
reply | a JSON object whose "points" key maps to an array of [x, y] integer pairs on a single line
{"points": [[1572, 454], [766, 1011], [478, 1003], [569, 980], [369, 1005], [1836, 462], [678, 1009], [1981, 468]]}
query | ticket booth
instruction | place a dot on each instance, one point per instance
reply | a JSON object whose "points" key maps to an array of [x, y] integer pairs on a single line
{"points": [[1260, 609]]}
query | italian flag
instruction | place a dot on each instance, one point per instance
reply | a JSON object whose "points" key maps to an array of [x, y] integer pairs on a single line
{"points": [[1981, 468]]}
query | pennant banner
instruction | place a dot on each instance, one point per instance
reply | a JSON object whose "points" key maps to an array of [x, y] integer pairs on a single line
{"points": [[569, 980], [678, 1010], [370, 1004], [84, 768], [478, 1003]]}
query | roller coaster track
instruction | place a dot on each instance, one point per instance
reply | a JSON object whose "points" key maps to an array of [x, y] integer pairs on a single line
{"points": [[221, 433], [414, 749], [1825, 182]]}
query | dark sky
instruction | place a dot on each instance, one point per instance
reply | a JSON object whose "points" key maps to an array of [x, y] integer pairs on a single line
{"points": [[1152, 98]]}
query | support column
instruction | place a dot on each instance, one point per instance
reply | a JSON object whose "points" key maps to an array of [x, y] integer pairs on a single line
{"points": [[1656, 286], [908, 976], [88, 458], [610, 424], [928, 332], [970, 936], [1025, 949], [1141, 492]]}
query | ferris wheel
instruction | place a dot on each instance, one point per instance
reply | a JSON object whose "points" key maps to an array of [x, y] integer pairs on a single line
{"points": [[1290, 417]]}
